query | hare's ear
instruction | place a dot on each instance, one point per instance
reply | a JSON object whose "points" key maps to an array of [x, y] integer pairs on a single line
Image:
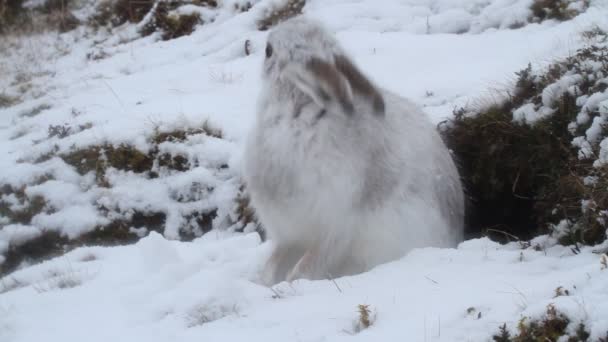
{"points": [[359, 83], [323, 83]]}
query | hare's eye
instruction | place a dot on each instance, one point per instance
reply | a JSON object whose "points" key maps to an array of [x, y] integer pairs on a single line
{"points": [[268, 50]]}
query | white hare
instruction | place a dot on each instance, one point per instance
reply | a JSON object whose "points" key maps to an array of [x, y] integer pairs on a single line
{"points": [[342, 175]]}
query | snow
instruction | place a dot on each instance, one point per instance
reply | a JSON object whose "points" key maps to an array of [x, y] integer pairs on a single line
{"points": [[529, 113], [557, 89], [585, 150], [603, 155], [159, 290], [526, 114], [17, 234], [440, 53]]}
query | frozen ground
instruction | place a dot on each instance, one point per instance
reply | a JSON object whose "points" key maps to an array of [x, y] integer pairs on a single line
{"points": [[442, 54]]}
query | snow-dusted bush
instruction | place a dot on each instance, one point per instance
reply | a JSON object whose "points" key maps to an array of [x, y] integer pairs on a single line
{"points": [[10, 10], [537, 162], [172, 25], [553, 326], [279, 11], [175, 18], [172, 19], [557, 9], [111, 194], [35, 16]]}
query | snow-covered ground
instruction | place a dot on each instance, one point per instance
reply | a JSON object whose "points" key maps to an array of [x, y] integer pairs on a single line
{"points": [[440, 53], [161, 290]]}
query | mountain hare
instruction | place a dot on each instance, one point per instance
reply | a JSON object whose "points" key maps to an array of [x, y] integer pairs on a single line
{"points": [[342, 175]]}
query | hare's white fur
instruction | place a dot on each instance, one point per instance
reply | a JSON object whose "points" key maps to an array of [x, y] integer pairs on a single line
{"points": [[340, 191]]}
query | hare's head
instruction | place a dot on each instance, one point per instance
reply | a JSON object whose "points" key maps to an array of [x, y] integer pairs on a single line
{"points": [[303, 57]]}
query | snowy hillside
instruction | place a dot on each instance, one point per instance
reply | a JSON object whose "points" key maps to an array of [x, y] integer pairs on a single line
{"points": [[110, 135]]}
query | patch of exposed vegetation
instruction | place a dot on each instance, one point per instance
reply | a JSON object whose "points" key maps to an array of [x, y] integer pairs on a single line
{"points": [[98, 158], [366, 318], [153, 16], [246, 214], [58, 15], [88, 257], [177, 25], [171, 25], [51, 244], [245, 211], [182, 134], [35, 111], [47, 245], [280, 12], [10, 13], [203, 314], [179, 162], [530, 164], [60, 131], [8, 100], [197, 224], [242, 7], [49, 14], [125, 157], [551, 328], [117, 12], [561, 10], [16, 207]]}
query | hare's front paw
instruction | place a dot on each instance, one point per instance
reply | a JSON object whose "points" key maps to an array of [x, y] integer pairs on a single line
{"points": [[280, 263], [272, 270], [306, 268]]}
